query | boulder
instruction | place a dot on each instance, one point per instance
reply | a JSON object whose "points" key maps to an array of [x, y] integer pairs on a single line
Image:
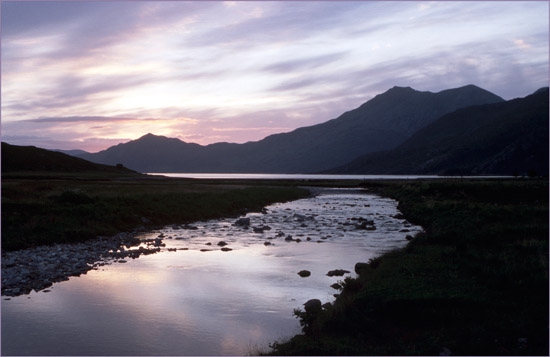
{"points": [[304, 274], [312, 305], [242, 222], [337, 272], [360, 267]]}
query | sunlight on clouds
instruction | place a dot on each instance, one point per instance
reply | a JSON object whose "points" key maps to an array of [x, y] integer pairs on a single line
{"points": [[521, 44], [425, 6], [282, 129], [107, 68], [245, 63], [36, 46]]}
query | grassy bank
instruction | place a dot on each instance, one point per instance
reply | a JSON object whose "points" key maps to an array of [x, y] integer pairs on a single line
{"points": [[58, 208], [476, 283]]}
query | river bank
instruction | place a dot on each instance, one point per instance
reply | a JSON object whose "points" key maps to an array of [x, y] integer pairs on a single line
{"points": [[217, 287], [40, 267], [476, 283], [53, 209], [57, 227]]}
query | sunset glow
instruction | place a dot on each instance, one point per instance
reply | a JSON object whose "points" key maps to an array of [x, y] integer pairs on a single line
{"points": [[88, 75]]}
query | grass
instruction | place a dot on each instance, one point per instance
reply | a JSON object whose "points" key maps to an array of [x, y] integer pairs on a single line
{"points": [[47, 209], [475, 283]]}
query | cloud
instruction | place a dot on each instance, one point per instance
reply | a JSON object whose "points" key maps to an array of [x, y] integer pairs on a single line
{"points": [[278, 129], [521, 44], [282, 23], [304, 63], [77, 119], [297, 84], [78, 70]]}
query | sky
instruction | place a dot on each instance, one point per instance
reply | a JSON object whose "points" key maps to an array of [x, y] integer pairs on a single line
{"points": [[89, 75]]}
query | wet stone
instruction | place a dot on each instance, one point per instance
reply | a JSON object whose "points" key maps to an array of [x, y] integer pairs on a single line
{"points": [[40, 267], [337, 272], [242, 222]]}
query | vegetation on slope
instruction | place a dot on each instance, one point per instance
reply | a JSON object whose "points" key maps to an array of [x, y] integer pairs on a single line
{"points": [[508, 138], [476, 283], [36, 212], [379, 124], [17, 159]]}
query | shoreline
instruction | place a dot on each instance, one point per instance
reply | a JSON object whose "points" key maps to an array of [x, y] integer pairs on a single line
{"points": [[40, 267], [475, 283]]}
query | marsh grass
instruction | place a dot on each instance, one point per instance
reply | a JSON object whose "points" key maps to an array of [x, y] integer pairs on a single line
{"points": [[48, 211], [476, 283]]}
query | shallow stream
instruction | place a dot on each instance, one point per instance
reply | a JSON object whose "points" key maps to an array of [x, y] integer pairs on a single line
{"points": [[195, 299]]}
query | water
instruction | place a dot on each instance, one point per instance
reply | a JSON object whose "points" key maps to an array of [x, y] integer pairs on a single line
{"points": [[296, 176], [311, 176], [193, 302]]}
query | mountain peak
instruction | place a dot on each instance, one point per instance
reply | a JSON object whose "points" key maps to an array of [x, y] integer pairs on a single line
{"points": [[470, 86], [381, 123], [149, 136], [401, 89]]}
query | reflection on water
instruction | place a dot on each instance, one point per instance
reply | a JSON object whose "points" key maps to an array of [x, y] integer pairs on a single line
{"points": [[296, 176], [193, 302]]}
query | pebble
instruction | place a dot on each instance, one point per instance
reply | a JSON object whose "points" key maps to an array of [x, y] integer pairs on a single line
{"points": [[40, 267]]}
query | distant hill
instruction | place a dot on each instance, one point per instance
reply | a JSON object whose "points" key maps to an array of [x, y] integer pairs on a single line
{"points": [[505, 138], [382, 123], [72, 152], [32, 159]]}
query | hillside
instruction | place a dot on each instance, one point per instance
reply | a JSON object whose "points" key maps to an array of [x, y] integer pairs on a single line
{"points": [[382, 123], [72, 152], [506, 138], [32, 159]]}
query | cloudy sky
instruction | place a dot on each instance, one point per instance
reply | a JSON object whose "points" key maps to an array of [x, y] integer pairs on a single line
{"points": [[89, 75]]}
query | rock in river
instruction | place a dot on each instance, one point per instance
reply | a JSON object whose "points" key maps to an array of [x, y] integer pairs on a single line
{"points": [[312, 305], [360, 267], [242, 222], [337, 272], [304, 273]]}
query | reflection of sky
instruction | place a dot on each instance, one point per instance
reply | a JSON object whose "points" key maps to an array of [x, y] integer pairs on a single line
{"points": [[197, 303], [91, 74]]}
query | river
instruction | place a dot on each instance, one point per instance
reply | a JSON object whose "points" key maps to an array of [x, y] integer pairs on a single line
{"points": [[199, 300]]}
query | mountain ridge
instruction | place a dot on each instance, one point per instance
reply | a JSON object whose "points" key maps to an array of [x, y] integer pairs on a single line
{"points": [[381, 123], [32, 159], [500, 138]]}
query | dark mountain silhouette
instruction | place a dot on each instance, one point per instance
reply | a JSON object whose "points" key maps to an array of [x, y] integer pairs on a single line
{"points": [[506, 138], [72, 152], [382, 123], [30, 158]]}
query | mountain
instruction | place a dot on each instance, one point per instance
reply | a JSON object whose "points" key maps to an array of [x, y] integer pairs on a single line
{"points": [[382, 123], [505, 138], [30, 158], [75, 153]]}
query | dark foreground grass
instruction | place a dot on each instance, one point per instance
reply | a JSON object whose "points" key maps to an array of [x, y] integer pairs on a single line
{"points": [[476, 283], [54, 209]]}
